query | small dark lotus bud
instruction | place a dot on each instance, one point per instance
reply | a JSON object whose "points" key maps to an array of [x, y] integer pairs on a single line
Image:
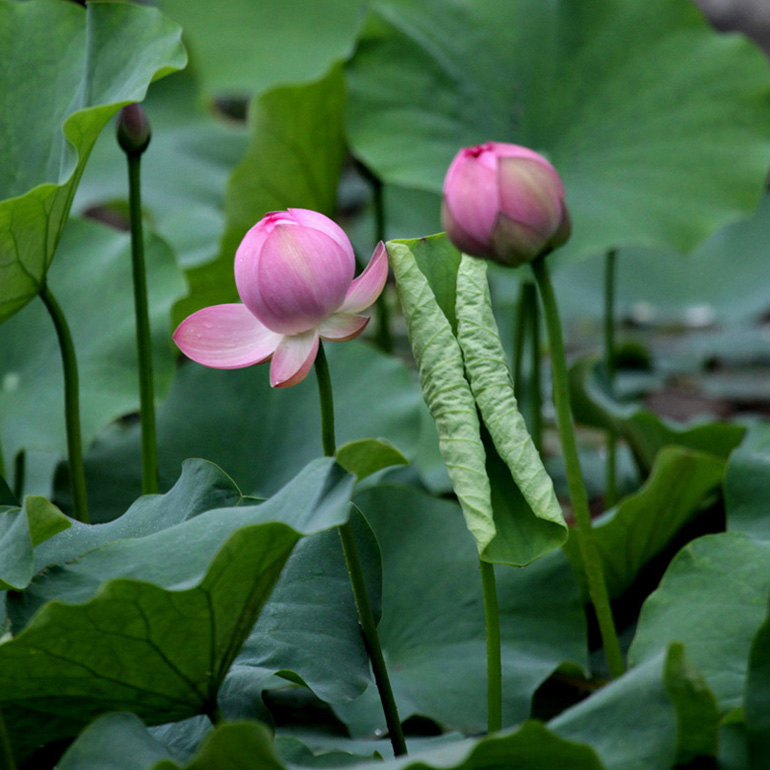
{"points": [[133, 130]]}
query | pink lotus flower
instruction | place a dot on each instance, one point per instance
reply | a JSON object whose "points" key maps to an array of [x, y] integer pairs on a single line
{"points": [[504, 202], [294, 273]]}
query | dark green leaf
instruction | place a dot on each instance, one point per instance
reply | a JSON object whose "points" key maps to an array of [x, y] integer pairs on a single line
{"points": [[712, 599], [309, 630], [232, 746], [696, 708], [645, 432], [159, 648], [630, 722], [433, 620], [747, 492], [51, 122], [21, 529], [117, 741], [644, 523], [367, 456], [757, 705]]}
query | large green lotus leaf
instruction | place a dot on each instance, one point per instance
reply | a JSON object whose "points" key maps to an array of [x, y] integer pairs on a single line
{"points": [[757, 705], [117, 741], [435, 646], [21, 529], [260, 435], [81, 559], [636, 104], [646, 433], [247, 47], [540, 525], [245, 745], [729, 570], [631, 723], [201, 487], [158, 619], [92, 282], [696, 707], [322, 609], [310, 626], [294, 159], [747, 484], [65, 71], [644, 523]]}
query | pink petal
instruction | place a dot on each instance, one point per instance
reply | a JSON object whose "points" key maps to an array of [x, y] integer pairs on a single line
{"points": [[531, 193], [459, 238], [341, 327], [471, 195], [293, 359], [225, 337], [327, 226], [369, 285], [300, 278]]}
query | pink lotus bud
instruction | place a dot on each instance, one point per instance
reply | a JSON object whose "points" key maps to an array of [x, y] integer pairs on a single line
{"points": [[504, 202], [294, 272]]}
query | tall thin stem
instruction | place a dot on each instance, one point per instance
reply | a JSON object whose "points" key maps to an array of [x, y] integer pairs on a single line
{"points": [[143, 338], [357, 581], [494, 660], [610, 279], [71, 405], [536, 388], [597, 586]]}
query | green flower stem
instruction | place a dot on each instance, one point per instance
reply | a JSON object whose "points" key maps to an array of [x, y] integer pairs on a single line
{"points": [[353, 561], [536, 394], [610, 279], [494, 661], [5, 746], [143, 340], [597, 586], [71, 406]]}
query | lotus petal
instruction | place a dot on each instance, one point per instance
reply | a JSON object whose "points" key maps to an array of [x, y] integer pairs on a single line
{"points": [[225, 337], [293, 359], [369, 285]]}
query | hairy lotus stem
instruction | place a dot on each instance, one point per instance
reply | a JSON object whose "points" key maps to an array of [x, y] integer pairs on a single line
{"points": [[494, 658], [357, 582], [592, 564], [134, 137], [71, 405]]}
